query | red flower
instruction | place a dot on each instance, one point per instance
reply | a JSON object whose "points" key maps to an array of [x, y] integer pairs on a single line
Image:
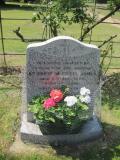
{"points": [[56, 95], [48, 103]]}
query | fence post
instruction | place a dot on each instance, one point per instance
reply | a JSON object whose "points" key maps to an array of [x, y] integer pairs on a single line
{"points": [[2, 42]]}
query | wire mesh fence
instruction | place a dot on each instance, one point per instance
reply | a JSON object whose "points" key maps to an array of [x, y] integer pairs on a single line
{"points": [[5, 39]]}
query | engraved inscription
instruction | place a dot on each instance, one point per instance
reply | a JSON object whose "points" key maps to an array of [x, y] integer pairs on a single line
{"points": [[62, 62]]}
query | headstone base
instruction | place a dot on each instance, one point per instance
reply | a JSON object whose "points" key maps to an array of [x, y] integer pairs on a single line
{"points": [[30, 132]]}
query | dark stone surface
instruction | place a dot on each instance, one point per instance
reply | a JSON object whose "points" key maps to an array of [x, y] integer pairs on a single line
{"points": [[30, 132]]}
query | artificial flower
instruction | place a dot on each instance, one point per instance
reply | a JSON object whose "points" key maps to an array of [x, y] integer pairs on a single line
{"points": [[71, 100], [85, 99], [84, 91], [56, 94], [48, 103]]}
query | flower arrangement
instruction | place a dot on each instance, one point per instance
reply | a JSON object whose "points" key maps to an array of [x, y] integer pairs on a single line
{"points": [[59, 112]]}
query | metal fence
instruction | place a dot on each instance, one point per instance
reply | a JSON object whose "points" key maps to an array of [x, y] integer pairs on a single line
{"points": [[4, 53]]}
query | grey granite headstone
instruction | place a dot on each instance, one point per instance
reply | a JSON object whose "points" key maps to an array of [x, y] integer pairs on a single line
{"points": [[62, 61]]}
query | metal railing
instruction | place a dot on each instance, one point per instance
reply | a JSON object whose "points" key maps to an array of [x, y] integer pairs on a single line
{"points": [[4, 54]]}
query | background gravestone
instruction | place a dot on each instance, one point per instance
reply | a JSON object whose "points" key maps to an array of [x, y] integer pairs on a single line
{"points": [[62, 61]]}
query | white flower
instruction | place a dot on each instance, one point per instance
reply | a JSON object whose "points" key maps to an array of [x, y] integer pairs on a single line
{"points": [[71, 100], [84, 91], [85, 99]]}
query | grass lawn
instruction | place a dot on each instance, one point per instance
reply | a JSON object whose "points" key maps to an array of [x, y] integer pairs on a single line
{"points": [[106, 149], [35, 30], [106, 11], [9, 108]]}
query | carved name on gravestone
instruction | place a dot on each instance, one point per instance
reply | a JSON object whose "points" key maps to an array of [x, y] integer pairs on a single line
{"points": [[62, 61]]}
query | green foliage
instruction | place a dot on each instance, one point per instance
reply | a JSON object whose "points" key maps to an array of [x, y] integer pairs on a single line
{"points": [[70, 117], [2, 156], [113, 3], [77, 8], [70, 4], [51, 17], [57, 12], [111, 91]]}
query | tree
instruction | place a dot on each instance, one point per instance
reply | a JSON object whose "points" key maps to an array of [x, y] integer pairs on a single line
{"points": [[56, 12]]}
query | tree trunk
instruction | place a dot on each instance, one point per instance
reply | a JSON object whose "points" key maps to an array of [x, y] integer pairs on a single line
{"points": [[54, 31]]}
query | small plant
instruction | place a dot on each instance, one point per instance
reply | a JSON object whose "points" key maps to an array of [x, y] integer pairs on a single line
{"points": [[56, 13], [60, 112], [51, 16]]}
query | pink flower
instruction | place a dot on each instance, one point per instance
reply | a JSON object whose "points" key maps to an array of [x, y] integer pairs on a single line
{"points": [[48, 103], [56, 94]]}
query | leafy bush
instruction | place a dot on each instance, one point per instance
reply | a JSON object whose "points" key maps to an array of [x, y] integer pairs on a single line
{"points": [[111, 91]]}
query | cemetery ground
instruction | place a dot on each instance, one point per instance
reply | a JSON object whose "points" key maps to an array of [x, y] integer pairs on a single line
{"points": [[108, 148]]}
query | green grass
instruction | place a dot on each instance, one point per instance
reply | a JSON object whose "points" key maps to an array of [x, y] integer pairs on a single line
{"points": [[106, 11], [8, 109], [106, 149], [35, 30]]}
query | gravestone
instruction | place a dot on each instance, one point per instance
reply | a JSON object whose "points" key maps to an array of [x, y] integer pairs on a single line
{"points": [[60, 61]]}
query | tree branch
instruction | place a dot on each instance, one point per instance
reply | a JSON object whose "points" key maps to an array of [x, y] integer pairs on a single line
{"points": [[17, 32], [106, 41], [88, 29]]}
